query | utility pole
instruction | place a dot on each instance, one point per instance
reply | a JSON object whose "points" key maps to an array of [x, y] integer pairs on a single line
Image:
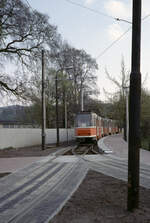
{"points": [[82, 102], [43, 104], [134, 111], [127, 115], [66, 121], [57, 121]]}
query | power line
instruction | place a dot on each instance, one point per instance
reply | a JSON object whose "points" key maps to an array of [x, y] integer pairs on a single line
{"points": [[114, 42], [146, 17], [120, 37], [122, 20], [103, 14], [97, 11], [106, 15], [90, 9]]}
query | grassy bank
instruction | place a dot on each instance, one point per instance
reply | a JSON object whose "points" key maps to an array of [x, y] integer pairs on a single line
{"points": [[146, 143]]}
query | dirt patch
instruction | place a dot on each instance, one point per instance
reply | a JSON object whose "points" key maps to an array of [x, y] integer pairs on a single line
{"points": [[31, 151], [26, 152], [103, 199], [4, 174]]}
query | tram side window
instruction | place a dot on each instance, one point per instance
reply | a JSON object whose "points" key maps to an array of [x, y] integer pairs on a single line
{"points": [[93, 121]]}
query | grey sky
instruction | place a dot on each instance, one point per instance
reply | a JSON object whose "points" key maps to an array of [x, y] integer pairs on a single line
{"points": [[94, 32]]}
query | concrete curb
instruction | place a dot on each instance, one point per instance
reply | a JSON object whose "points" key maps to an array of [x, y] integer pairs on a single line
{"points": [[102, 147]]}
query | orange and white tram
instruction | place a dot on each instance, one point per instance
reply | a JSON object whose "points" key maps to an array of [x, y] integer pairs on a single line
{"points": [[90, 127]]}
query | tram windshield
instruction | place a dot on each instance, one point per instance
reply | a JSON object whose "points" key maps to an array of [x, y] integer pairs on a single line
{"points": [[83, 120]]}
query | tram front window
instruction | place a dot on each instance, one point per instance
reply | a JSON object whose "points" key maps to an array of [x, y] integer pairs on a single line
{"points": [[83, 120]]}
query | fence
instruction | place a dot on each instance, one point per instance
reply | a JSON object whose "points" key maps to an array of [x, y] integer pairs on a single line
{"points": [[29, 137]]}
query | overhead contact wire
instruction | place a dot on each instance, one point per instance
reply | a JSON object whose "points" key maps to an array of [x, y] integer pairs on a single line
{"points": [[90, 9], [113, 43], [120, 37]]}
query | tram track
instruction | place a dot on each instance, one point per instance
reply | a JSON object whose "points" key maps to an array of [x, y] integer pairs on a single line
{"points": [[85, 149]]}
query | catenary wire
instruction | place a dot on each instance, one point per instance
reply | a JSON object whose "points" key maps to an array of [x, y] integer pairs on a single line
{"points": [[113, 43], [97, 11], [120, 37], [106, 15], [90, 9], [146, 17]]}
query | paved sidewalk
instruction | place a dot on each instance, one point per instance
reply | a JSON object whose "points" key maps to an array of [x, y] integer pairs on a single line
{"points": [[36, 193], [120, 148], [10, 165]]}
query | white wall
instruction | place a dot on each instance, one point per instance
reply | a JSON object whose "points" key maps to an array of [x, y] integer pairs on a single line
{"points": [[28, 137]]}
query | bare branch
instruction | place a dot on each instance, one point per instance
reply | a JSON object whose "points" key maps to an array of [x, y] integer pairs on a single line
{"points": [[111, 78], [6, 87]]}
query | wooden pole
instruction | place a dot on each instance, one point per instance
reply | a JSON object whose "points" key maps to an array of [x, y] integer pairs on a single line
{"points": [[134, 111]]}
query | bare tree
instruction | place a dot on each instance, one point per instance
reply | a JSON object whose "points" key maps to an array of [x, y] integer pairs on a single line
{"points": [[23, 33], [83, 69], [120, 83], [118, 97]]}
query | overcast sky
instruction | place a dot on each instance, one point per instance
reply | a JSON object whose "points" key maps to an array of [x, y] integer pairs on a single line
{"points": [[94, 32]]}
